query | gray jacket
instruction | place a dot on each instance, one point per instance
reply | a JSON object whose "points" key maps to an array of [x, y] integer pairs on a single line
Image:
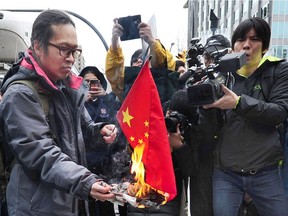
{"points": [[49, 177]]}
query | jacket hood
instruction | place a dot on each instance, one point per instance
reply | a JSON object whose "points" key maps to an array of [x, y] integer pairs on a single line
{"points": [[97, 73]]}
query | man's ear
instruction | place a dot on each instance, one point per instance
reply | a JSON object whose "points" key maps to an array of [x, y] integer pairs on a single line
{"points": [[37, 48]]}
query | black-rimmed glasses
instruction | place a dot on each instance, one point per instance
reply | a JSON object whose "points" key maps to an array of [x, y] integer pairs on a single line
{"points": [[66, 51]]}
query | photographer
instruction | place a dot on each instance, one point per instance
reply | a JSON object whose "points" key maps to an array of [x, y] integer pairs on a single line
{"points": [[179, 134], [248, 151], [199, 143], [180, 118]]}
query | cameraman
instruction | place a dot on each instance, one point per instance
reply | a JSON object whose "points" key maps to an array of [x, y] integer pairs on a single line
{"points": [[214, 45], [208, 126], [248, 151], [180, 118]]}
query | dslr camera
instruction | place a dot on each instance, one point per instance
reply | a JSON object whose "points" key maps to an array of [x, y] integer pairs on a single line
{"points": [[204, 84], [174, 119]]}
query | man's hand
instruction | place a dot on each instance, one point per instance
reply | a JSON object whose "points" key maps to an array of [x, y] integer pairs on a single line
{"points": [[228, 101], [101, 191], [109, 133]]}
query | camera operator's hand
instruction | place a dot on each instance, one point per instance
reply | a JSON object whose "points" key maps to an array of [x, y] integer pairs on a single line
{"points": [[175, 139], [228, 101], [117, 32]]}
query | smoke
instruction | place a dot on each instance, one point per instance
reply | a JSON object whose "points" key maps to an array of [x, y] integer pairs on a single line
{"points": [[118, 165]]}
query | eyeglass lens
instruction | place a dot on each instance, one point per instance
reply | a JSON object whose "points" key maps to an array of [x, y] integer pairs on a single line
{"points": [[65, 51]]}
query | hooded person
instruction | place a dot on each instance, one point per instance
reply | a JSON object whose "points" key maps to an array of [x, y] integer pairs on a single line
{"points": [[100, 105], [97, 73], [103, 106]]}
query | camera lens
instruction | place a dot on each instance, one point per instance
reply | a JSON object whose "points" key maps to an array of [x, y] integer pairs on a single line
{"points": [[171, 124]]}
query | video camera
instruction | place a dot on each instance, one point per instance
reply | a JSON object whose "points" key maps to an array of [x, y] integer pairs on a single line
{"points": [[195, 52], [204, 84]]}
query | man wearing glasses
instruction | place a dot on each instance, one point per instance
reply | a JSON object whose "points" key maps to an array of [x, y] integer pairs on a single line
{"points": [[66, 51], [49, 175]]}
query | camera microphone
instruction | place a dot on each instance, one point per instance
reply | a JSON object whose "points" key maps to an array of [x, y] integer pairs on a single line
{"points": [[179, 102]]}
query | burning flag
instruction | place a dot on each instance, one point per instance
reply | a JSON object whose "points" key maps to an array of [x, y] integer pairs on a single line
{"points": [[142, 121]]}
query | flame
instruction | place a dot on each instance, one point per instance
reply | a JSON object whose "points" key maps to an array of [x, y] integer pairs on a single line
{"points": [[141, 188]]}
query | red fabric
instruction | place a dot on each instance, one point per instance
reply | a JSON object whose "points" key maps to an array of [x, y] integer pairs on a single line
{"points": [[142, 121]]}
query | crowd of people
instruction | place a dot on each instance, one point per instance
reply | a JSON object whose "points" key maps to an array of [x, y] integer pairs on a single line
{"points": [[227, 156]]}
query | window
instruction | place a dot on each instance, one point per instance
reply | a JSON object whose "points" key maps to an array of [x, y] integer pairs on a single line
{"points": [[226, 7], [255, 14], [280, 7], [285, 53], [245, 6], [265, 11]]}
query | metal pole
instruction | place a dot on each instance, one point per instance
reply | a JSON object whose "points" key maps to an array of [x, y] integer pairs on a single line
{"points": [[73, 14]]}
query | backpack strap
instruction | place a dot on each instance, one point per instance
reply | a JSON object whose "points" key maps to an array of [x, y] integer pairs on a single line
{"points": [[6, 166], [42, 94]]}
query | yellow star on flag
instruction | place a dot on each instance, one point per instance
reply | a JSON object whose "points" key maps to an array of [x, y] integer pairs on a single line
{"points": [[127, 117], [146, 123]]}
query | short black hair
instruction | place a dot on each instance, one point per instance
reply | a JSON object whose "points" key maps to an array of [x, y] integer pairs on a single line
{"points": [[261, 27], [41, 29], [135, 56]]}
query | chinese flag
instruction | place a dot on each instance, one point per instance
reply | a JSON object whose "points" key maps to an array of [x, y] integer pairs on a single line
{"points": [[142, 121]]}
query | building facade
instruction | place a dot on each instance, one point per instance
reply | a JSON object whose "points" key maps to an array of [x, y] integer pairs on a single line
{"points": [[231, 12]]}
